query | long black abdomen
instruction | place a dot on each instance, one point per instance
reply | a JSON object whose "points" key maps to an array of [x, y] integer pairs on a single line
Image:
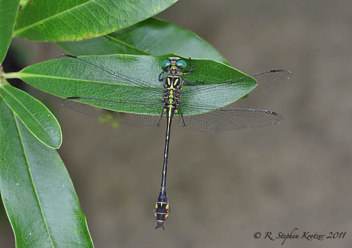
{"points": [[162, 207]]}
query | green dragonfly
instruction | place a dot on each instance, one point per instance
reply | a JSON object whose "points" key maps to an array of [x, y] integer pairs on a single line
{"points": [[169, 100]]}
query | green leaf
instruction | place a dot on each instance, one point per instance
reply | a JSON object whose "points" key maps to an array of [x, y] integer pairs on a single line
{"points": [[71, 77], [8, 13], [36, 190], [34, 115], [149, 37], [47, 20]]}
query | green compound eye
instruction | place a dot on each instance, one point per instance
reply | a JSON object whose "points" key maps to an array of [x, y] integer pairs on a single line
{"points": [[165, 64], [181, 64]]}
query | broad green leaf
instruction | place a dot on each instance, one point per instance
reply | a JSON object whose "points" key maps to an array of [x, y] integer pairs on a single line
{"points": [[47, 20], [36, 190], [149, 37], [138, 82], [34, 115], [8, 13]]}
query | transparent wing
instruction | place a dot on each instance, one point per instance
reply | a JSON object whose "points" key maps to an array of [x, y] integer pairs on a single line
{"points": [[266, 80], [138, 120], [226, 92], [269, 79], [229, 119], [103, 73]]}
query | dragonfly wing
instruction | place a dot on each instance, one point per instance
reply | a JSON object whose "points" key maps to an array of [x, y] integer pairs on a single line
{"points": [[229, 119], [100, 71], [269, 79], [139, 120], [228, 89]]}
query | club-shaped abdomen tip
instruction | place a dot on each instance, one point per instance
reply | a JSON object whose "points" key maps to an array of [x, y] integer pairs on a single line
{"points": [[161, 211]]}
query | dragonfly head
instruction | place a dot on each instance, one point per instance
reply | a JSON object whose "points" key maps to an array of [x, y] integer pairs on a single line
{"points": [[173, 64]]}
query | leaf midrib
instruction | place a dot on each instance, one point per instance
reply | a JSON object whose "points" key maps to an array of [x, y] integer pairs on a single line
{"points": [[29, 75], [108, 36], [33, 184], [48, 18]]}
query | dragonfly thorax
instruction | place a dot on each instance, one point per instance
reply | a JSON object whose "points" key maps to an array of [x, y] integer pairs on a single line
{"points": [[172, 95]]}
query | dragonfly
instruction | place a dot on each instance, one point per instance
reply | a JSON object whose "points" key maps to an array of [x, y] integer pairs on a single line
{"points": [[169, 101]]}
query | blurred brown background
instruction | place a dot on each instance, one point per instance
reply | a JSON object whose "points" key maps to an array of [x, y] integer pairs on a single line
{"points": [[223, 187]]}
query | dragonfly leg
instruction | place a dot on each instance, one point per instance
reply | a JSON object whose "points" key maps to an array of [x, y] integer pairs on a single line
{"points": [[181, 116], [161, 79], [161, 117], [190, 70], [192, 84]]}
